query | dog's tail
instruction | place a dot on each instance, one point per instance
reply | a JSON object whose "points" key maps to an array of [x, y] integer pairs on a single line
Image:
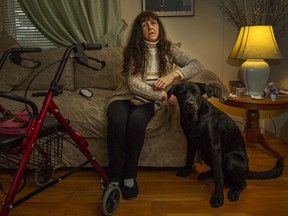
{"points": [[269, 174]]}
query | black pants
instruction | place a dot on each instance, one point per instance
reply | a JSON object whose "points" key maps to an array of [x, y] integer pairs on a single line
{"points": [[126, 132]]}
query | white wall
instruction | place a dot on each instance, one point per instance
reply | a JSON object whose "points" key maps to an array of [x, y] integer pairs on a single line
{"points": [[279, 74], [208, 37]]}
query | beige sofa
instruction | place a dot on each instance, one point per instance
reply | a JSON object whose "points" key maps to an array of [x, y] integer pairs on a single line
{"points": [[165, 144]]}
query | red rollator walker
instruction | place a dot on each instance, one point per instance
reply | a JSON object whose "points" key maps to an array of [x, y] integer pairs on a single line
{"points": [[27, 142]]}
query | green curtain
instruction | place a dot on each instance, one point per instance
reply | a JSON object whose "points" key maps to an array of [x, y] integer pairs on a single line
{"points": [[65, 22]]}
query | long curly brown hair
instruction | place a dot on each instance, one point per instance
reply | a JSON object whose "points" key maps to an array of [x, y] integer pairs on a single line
{"points": [[135, 53]]}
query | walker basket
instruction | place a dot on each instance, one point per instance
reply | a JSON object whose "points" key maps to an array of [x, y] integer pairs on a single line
{"points": [[46, 155]]}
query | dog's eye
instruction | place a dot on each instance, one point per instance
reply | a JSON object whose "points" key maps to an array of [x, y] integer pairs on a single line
{"points": [[194, 91], [183, 92]]}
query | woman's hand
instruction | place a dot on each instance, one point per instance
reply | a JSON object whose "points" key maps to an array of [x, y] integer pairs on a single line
{"points": [[165, 81]]}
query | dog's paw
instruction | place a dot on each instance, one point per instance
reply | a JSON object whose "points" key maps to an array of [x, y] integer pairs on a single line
{"points": [[234, 193], [216, 200], [184, 172]]}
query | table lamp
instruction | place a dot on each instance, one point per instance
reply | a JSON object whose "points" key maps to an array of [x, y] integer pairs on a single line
{"points": [[255, 43]]}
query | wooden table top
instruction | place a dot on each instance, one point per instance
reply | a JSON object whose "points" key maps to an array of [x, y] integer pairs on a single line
{"points": [[247, 102]]}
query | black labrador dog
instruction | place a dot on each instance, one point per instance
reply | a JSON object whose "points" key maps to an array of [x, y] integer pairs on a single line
{"points": [[214, 138]]}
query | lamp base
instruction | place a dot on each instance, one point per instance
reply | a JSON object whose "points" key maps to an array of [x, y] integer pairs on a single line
{"points": [[255, 74]]}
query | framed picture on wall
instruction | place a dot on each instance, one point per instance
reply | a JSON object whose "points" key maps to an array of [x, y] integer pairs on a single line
{"points": [[169, 7]]}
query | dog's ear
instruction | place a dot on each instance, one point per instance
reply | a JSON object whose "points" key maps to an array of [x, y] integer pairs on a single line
{"points": [[205, 89]]}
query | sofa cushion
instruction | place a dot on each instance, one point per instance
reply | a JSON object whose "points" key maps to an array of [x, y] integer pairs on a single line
{"points": [[87, 116], [109, 77], [12, 75], [50, 60]]}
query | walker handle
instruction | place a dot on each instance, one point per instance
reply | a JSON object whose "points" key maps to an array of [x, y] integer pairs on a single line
{"points": [[92, 46]]}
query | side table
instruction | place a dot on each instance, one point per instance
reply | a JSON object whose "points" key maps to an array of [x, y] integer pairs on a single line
{"points": [[253, 106]]}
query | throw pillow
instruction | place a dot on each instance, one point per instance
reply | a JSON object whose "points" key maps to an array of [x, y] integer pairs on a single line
{"points": [[50, 60], [109, 77], [12, 75]]}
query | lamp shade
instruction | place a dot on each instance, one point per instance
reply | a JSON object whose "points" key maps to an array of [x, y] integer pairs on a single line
{"points": [[256, 42]]}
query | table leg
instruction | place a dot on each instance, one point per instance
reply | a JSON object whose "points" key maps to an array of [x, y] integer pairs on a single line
{"points": [[253, 134], [252, 128]]}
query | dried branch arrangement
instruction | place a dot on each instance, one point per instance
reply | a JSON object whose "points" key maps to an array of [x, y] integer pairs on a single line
{"points": [[255, 12]]}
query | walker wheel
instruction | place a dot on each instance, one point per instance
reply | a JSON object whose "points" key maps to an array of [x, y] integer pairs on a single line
{"points": [[43, 175], [111, 199]]}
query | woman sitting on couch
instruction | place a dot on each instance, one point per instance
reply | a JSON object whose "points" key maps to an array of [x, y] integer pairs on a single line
{"points": [[148, 69]]}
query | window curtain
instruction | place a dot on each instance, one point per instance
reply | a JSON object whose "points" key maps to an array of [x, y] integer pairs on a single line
{"points": [[65, 22]]}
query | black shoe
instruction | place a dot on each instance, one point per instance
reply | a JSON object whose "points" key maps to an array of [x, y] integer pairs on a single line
{"points": [[129, 193]]}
